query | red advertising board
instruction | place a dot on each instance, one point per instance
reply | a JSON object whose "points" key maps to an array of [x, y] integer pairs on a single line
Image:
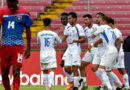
{"points": [[31, 73]]}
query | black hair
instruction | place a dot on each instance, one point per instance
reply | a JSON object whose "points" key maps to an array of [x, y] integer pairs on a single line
{"points": [[106, 18], [87, 15], [46, 21], [111, 20], [101, 14], [73, 14], [64, 14]]}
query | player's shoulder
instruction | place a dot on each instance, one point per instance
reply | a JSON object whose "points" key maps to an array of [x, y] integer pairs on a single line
{"points": [[79, 26], [67, 26], [95, 26]]}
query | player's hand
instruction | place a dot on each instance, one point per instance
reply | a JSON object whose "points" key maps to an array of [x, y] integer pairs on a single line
{"points": [[27, 54], [62, 63], [94, 30], [89, 48]]}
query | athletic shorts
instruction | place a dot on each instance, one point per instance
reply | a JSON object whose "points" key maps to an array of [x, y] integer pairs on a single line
{"points": [[73, 58], [46, 66], [64, 56], [109, 59], [11, 55]]}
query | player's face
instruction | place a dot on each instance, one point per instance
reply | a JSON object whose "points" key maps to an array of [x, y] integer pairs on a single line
{"points": [[71, 20], [87, 21], [64, 20], [12, 5], [98, 19]]}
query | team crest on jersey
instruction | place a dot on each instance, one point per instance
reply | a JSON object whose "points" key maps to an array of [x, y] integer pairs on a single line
{"points": [[19, 18]]}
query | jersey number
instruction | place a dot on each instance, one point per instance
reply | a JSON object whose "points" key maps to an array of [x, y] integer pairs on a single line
{"points": [[47, 42], [20, 58], [11, 24]]}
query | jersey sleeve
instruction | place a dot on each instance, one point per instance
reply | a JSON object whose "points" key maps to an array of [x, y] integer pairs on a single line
{"points": [[58, 39], [28, 21], [118, 34], [99, 31], [65, 31], [38, 39], [81, 31], [1, 14]]}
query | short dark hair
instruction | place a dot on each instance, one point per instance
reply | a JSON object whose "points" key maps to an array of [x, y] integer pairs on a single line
{"points": [[46, 21], [64, 14], [111, 20], [87, 15], [101, 14], [105, 18], [73, 14]]}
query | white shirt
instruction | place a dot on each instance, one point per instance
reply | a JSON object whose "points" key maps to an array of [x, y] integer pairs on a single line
{"points": [[108, 35], [88, 33], [118, 35], [47, 39], [74, 33]]}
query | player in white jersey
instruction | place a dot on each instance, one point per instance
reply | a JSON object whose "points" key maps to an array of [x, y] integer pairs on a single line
{"points": [[109, 57], [120, 64], [46, 39], [74, 36], [89, 56], [64, 21]]}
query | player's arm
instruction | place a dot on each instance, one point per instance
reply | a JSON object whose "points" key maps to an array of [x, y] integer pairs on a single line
{"points": [[118, 43], [28, 36], [81, 40], [97, 32], [58, 39]]}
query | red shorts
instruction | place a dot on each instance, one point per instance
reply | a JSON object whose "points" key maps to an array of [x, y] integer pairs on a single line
{"points": [[11, 55]]}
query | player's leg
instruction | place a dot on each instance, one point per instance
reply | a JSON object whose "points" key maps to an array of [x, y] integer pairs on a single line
{"points": [[5, 78], [125, 77], [51, 76], [16, 75]]}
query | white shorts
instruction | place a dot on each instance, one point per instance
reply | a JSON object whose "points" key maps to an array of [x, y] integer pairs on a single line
{"points": [[109, 59], [73, 58], [64, 56], [120, 63], [46, 66]]}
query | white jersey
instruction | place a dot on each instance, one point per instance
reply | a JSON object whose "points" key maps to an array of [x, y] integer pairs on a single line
{"points": [[74, 33], [47, 39], [118, 35], [108, 35], [88, 33]]}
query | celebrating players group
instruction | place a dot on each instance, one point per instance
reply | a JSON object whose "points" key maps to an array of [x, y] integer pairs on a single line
{"points": [[104, 50]]}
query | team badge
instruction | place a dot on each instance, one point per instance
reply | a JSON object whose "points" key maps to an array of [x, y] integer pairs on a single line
{"points": [[19, 18]]}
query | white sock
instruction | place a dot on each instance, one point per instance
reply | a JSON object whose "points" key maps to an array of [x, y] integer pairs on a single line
{"points": [[126, 80], [112, 82], [79, 74], [104, 78], [70, 78], [115, 78], [45, 78], [76, 81], [51, 78]]}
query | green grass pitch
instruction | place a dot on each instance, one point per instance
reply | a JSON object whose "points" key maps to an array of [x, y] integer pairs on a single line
{"points": [[43, 88]]}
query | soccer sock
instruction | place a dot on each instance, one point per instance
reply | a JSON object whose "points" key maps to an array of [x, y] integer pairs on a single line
{"points": [[79, 73], [6, 84], [112, 82], [70, 78], [76, 81], [16, 83], [45, 78], [126, 80], [105, 78], [115, 78], [51, 78]]}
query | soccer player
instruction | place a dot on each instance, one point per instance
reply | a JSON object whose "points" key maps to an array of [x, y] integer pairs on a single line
{"points": [[89, 56], [109, 57], [120, 64], [64, 21], [46, 39], [74, 36], [13, 19]]}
